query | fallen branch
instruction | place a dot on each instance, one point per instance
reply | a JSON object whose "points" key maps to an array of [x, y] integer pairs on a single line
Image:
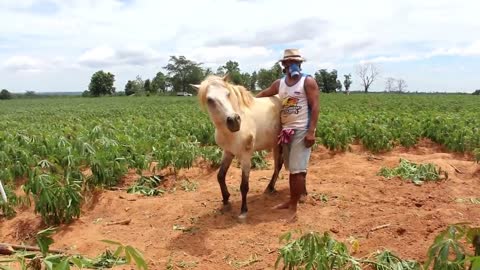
{"points": [[378, 228], [372, 157], [123, 222], [456, 169], [6, 246], [128, 199], [117, 188]]}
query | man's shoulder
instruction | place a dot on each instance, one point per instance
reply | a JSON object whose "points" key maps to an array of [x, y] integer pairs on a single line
{"points": [[309, 78], [309, 82]]}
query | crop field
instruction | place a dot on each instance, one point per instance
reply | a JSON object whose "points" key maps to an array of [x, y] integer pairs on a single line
{"points": [[141, 171]]}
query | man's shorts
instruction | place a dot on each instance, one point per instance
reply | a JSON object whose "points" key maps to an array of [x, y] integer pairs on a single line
{"points": [[295, 154]]}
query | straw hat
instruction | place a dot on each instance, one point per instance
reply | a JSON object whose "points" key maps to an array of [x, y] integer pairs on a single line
{"points": [[292, 54]]}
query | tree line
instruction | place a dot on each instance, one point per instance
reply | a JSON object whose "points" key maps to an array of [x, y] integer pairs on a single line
{"points": [[181, 72]]}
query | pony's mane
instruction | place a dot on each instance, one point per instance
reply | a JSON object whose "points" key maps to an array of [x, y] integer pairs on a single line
{"points": [[244, 97]]}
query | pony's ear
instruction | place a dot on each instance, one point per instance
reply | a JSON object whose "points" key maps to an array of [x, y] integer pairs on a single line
{"points": [[195, 86], [227, 77]]}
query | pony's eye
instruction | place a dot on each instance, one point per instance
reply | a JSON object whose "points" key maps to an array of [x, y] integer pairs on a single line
{"points": [[228, 94], [210, 101]]}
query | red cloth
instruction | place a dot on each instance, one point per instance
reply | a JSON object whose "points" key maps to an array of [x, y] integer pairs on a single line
{"points": [[285, 136]]}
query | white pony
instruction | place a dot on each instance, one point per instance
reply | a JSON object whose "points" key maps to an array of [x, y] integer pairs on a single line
{"points": [[243, 124]]}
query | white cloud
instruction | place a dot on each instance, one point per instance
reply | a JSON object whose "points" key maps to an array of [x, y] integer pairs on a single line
{"points": [[98, 56], [386, 59], [472, 49], [105, 56], [218, 55], [25, 63]]}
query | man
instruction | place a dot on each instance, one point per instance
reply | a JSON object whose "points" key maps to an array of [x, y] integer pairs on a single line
{"points": [[299, 94]]}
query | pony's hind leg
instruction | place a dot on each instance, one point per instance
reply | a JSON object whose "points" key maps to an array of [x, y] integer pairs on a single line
{"points": [[222, 172], [244, 186], [278, 163]]}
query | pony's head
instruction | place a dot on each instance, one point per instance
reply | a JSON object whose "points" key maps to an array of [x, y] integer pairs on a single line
{"points": [[224, 101]]}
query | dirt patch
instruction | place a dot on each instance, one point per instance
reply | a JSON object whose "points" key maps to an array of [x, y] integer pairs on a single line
{"points": [[346, 197]]}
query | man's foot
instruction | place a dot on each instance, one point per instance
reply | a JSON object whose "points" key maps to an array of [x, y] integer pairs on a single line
{"points": [[284, 205], [291, 217], [303, 198]]}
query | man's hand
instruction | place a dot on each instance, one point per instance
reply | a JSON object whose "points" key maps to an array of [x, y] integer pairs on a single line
{"points": [[309, 139]]}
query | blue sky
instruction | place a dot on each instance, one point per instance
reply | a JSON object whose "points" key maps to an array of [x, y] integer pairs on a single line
{"points": [[55, 45]]}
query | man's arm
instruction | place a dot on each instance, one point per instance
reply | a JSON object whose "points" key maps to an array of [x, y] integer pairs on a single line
{"points": [[312, 92], [270, 91]]}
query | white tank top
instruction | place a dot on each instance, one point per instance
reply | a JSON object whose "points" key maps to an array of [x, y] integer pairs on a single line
{"points": [[295, 110]]}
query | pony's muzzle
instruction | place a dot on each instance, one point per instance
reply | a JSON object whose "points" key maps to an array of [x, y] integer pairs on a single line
{"points": [[233, 123]]}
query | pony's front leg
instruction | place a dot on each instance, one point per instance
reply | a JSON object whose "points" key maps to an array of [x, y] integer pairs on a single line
{"points": [[222, 172], [244, 187]]}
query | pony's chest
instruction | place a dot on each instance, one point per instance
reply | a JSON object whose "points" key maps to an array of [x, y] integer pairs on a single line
{"points": [[234, 143]]}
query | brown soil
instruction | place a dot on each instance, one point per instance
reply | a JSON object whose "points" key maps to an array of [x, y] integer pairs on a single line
{"points": [[358, 200]]}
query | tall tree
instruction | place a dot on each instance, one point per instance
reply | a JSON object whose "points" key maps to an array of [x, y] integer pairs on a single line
{"points": [[339, 86], [265, 77], [207, 72], [368, 73], [245, 80], [101, 83], [231, 67], [347, 82], [129, 88], [253, 81], [147, 86], [390, 84], [327, 81], [138, 86], [158, 83], [220, 71], [183, 72], [401, 85], [5, 94]]}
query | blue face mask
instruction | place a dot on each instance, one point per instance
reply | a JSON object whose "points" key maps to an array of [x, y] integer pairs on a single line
{"points": [[294, 70]]}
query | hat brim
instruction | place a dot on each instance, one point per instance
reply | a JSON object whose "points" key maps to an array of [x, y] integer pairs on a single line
{"points": [[296, 58]]}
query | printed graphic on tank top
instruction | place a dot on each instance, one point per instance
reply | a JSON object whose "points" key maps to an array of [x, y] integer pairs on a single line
{"points": [[295, 110]]}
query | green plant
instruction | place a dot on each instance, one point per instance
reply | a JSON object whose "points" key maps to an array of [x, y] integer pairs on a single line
{"points": [[44, 240], [7, 208], [258, 160], [57, 199], [131, 254], [315, 251], [477, 154], [148, 186], [386, 260], [449, 252], [417, 173]]}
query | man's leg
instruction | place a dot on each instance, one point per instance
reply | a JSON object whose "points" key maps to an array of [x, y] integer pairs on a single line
{"points": [[303, 197], [297, 186], [298, 159]]}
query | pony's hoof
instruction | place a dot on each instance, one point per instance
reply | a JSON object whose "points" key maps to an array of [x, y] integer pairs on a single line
{"points": [[242, 218], [226, 208]]}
